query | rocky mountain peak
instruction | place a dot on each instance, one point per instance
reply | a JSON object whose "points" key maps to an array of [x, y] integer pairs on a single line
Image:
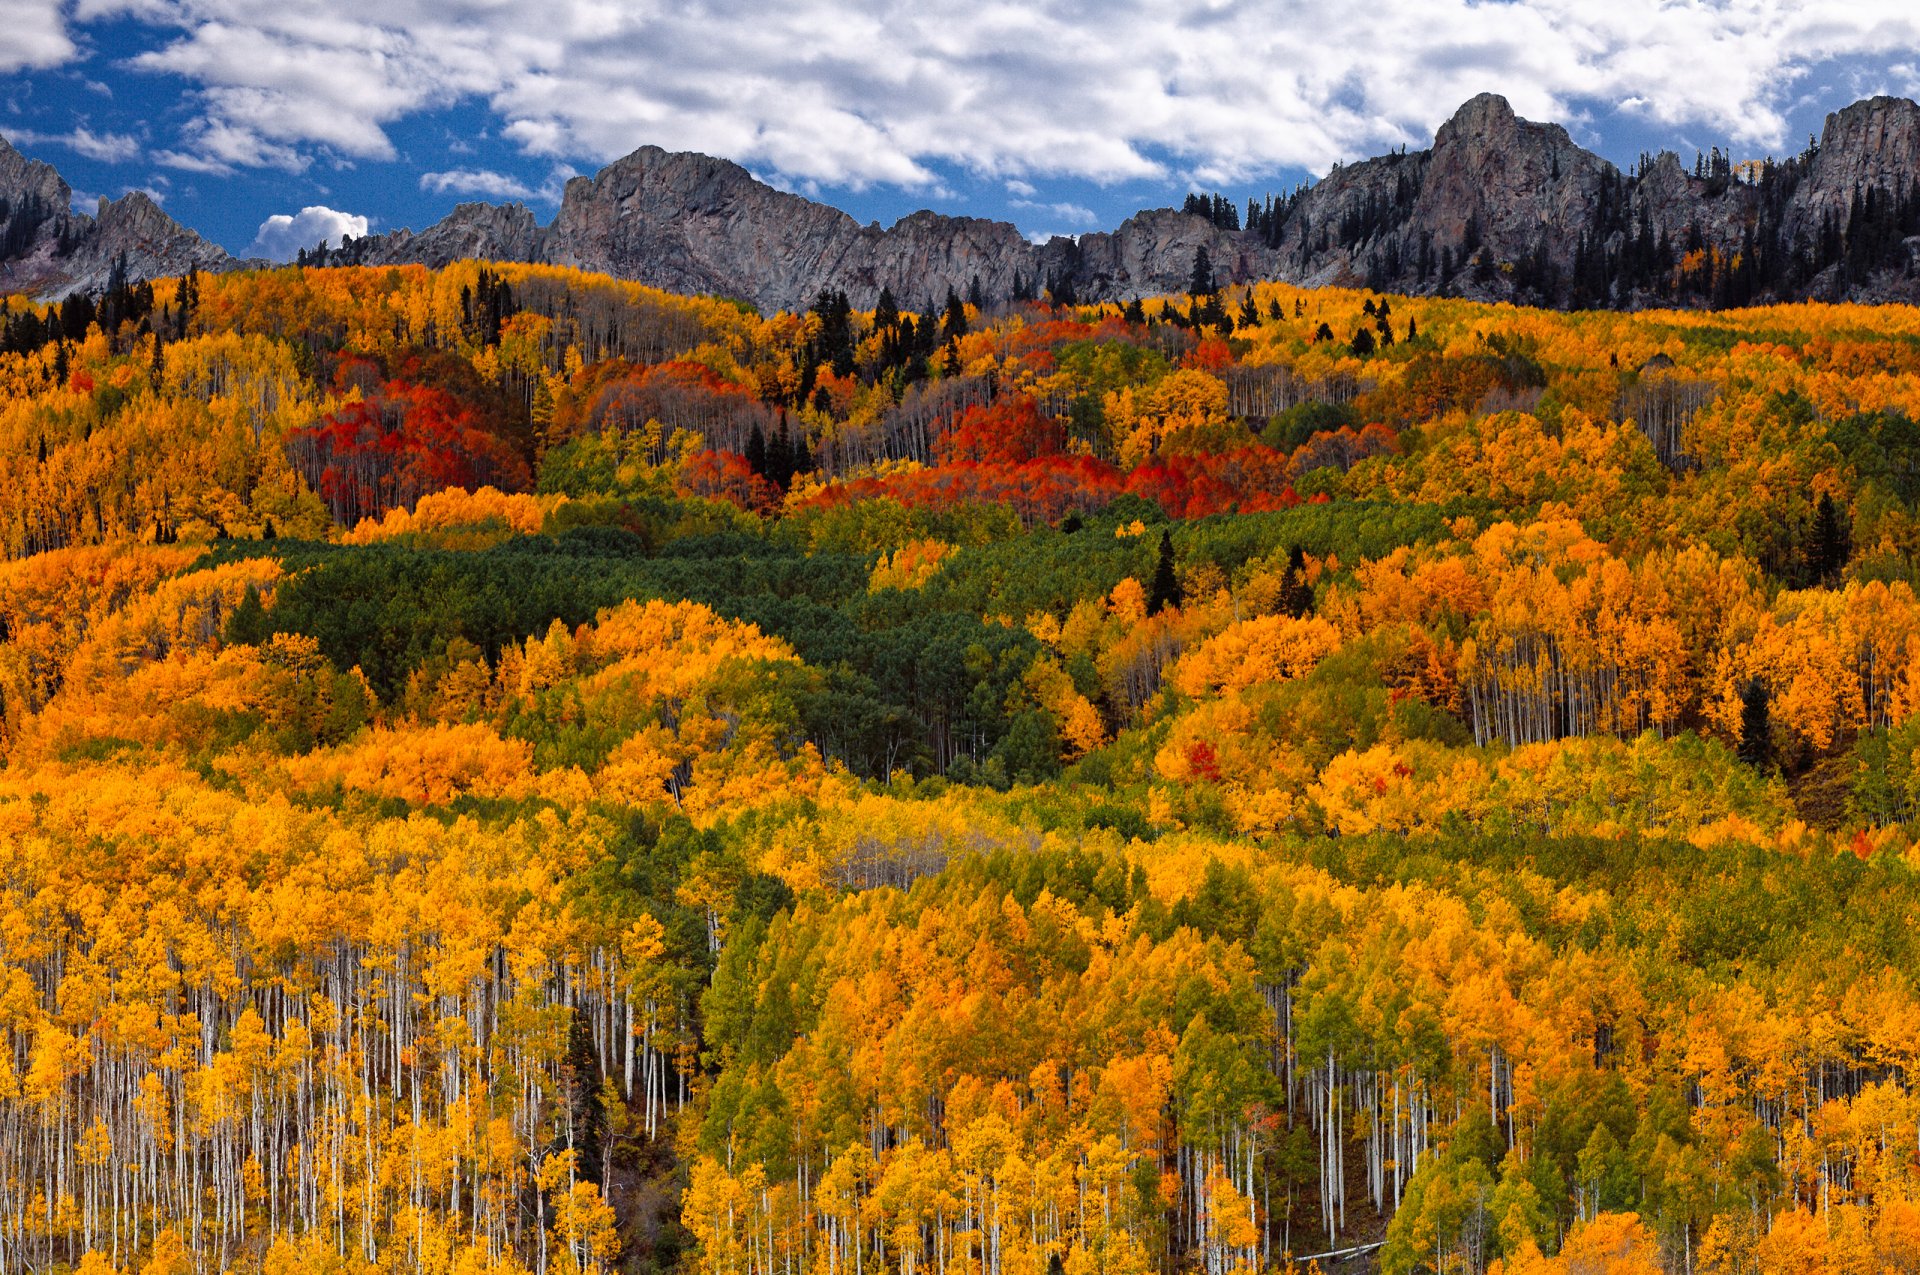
{"points": [[1481, 119], [1499, 207]]}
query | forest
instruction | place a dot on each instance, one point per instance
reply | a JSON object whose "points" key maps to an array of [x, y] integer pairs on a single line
{"points": [[507, 770]]}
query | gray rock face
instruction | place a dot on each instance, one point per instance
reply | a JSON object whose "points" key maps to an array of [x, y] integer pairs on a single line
{"points": [[1152, 253], [1873, 144], [1518, 184], [47, 250], [153, 244], [1499, 208], [487, 232]]}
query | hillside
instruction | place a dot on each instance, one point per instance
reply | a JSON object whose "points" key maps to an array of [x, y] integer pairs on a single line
{"points": [[1498, 208], [509, 769]]}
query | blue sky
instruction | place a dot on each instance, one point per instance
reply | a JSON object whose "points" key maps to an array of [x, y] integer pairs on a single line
{"points": [[1059, 115]]}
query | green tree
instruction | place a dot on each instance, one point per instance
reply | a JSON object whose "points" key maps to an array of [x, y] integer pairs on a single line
{"points": [[1200, 282], [1166, 591], [248, 624], [1756, 729]]}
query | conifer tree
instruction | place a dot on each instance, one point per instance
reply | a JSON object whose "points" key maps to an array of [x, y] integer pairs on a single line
{"points": [[1166, 591]]}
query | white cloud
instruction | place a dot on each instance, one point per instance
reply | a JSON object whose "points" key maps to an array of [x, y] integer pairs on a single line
{"points": [[33, 34], [1072, 214], [492, 185], [282, 236], [108, 148], [855, 92]]}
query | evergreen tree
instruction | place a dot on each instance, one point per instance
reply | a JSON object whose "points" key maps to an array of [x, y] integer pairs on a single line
{"points": [[1200, 283], [585, 1130], [1296, 595], [1166, 591], [1827, 548], [779, 458], [756, 453], [954, 323], [248, 624], [1756, 730]]}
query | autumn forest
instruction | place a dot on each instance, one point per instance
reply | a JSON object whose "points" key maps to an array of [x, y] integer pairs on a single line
{"points": [[512, 771]]}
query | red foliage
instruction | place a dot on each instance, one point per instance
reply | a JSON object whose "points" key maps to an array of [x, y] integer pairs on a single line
{"points": [[1210, 355], [402, 443], [1249, 479], [1047, 488], [1203, 761], [1007, 433], [727, 476], [1041, 490], [1344, 448]]}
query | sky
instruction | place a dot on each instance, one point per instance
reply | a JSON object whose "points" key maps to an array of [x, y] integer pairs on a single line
{"points": [[268, 125]]}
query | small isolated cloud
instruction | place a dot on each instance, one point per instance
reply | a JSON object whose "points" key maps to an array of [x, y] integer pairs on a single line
{"points": [[1020, 189], [476, 181], [108, 148], [492, 185], [282, 236], [1072, 214]]}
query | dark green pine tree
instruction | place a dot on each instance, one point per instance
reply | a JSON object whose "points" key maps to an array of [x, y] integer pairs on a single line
{"points": [[1166, 591], [248, 624], [954, 322], [1296, 595], [779, 458], [1756, 726], [1827, 548], [585, 1128], [756, 452], [1200, 283]]}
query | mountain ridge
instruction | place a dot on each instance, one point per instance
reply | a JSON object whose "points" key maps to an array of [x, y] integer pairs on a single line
{"points": [[1498, 208]]}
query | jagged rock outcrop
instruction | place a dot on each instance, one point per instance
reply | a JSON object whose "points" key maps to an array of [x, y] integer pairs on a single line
{"points": [[1152, 254], [1871, 145], [1499, 208], [48, 250], [487, 232], [133, 229]]}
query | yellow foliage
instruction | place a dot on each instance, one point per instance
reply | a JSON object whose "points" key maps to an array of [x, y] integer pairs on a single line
{"points": [[1269, 648]]}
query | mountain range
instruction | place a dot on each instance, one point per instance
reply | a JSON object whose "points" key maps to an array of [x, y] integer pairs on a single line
{"points": [[1498, 208]]}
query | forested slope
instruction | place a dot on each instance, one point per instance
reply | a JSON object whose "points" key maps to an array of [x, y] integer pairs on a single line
{"points": [[510, 770]]}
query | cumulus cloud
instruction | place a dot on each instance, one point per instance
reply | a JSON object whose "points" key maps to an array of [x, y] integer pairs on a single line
{"points": [[33, 33], [1071, 214], [282, 236], [855, 92], [108, 148], [488, 184]]}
